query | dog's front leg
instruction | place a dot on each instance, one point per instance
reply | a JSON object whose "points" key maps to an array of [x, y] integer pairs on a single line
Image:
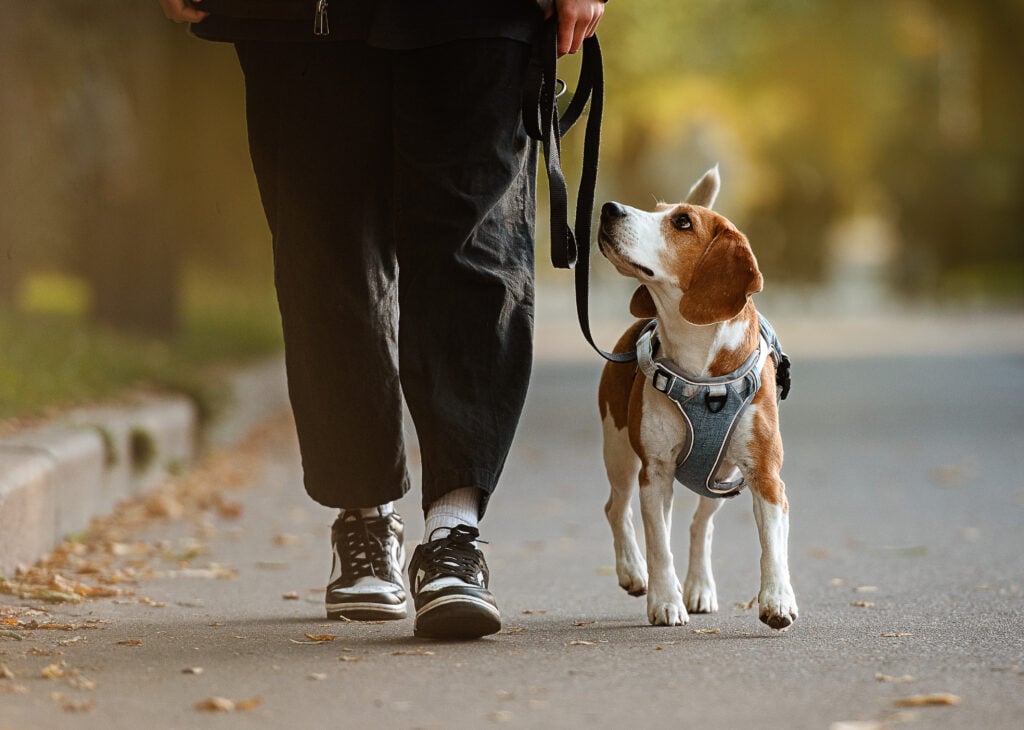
{"points": [[699, 592], [776, 602], [664, 597]]}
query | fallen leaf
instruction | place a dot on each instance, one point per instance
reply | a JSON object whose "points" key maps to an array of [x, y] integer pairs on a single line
{"points": [[72, 640], [291, 596], [13, 689], [862, 604], [858, 725], [892, 679], [215, 704], [5, 673], [895, 634], [866, 589], [230, 510], [584, 623], [321, 637], [413, 652], [580, 642], [316, 676], [707, 631], [748, 605], [532, 611], [284, 539], [54, 671], [70, 705], [500, 716], [938, 698], [8, 634], [192, 670], [836, 582], [659, 648], [130, 642], [350, 659]]}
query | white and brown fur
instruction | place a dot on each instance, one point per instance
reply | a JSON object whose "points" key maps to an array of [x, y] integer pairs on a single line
{"points": [[697, 274]]}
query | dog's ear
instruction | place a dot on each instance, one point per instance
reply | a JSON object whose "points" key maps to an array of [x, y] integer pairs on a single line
{"points": [[722, 281], [706, 189], [641, 305]]}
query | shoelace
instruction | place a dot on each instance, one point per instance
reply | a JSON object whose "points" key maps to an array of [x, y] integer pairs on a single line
{"points": [[453, 556], [362, 545]]}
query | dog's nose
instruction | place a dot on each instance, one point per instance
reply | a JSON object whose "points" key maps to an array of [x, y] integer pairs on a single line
{"points": [[612, 211]]}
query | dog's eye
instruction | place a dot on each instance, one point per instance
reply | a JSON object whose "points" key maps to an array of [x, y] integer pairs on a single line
{"points": [[682, 222]]}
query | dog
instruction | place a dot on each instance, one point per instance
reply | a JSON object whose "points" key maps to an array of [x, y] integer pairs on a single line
{"points": [[697, 274]]}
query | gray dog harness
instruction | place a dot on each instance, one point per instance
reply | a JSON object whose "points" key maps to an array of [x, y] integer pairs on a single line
{"points": [[711, 406]]}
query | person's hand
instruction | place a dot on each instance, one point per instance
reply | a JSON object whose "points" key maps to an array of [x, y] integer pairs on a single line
{"points": [[577, 20], [180, 12]]}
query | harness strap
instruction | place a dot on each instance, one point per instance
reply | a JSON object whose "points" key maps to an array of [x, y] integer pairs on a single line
{"points": [[570, 247]]}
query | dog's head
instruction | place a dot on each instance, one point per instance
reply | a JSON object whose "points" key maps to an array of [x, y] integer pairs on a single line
{"points": [[685, 255]]}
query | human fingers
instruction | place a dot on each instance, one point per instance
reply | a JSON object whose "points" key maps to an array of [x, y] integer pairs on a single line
{"points": [[180, 12]]}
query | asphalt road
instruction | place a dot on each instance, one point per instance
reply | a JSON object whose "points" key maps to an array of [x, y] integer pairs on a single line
{"points": [[904, 478]]}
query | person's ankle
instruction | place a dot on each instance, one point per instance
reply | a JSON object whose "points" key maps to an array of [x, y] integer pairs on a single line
{"points": [[458, 507]]}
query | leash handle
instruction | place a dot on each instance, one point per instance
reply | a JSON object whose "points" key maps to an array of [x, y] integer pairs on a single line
{"points": [[570, 247]]}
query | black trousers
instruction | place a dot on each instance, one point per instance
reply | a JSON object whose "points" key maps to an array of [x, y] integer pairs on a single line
{"points": [[400, 191]]}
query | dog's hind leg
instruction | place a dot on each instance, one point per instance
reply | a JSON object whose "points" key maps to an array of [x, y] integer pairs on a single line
{"points": [[623, 465], [699, 592], [664, 597]]}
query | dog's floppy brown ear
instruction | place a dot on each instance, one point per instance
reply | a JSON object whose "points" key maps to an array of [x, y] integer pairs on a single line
{"points": [[641, 305], [722, 281]]}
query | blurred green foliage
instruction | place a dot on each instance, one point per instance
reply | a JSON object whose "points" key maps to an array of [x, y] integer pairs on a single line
{"points": [[878, 136], [54, 358]]}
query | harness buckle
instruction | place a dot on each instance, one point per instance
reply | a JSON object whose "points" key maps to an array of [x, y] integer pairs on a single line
{"points": [[662, 381]]}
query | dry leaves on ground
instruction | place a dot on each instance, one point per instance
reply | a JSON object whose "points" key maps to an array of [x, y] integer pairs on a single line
{"points": [[707, 631], [222, 704], [192, 670], [862, 604], [130, 642], [893, 679], [580, 642], [350, 659], [413, 652], [748, 605], [894, 634], [290, 596], [937, 698]]}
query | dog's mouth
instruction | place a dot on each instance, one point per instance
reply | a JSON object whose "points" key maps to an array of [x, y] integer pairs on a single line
{"points": [[611, 251]]}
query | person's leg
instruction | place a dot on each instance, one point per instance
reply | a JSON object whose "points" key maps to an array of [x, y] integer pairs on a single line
{"points": [[318, 120], [464, 180], [319, 132], [465, 200]]}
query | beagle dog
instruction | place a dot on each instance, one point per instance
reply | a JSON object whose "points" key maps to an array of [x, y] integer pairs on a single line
{"points": [[697, 273]]}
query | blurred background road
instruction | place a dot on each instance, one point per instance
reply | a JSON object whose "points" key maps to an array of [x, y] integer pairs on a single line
{"points": [[906, 551]]}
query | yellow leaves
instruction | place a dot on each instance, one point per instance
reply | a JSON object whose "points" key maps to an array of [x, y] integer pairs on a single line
{"points": [[290, 596], [879, 677], [315, 639], [222, 704], [130, 642], [5, 673], [715, 630], [346, 658], [937, 698], [862, 604], [53, 671], [412, 652], [580, 642]]}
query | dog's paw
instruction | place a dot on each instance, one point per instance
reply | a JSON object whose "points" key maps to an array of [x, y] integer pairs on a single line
{"points": [[666, 612], [777, 607], [699, 595], [632, 574]]}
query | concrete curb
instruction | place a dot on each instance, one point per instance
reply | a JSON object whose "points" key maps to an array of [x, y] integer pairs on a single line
{"points": [[54, 479]]}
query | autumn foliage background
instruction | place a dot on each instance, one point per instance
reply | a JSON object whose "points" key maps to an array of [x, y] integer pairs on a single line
{"points": [[871, 151]]}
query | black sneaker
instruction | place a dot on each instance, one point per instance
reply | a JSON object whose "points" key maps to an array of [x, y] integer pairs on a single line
{"points": [[366, 575], [448, 578]]}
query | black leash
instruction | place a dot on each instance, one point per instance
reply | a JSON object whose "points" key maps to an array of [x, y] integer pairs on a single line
{"points": [[570, 247]]}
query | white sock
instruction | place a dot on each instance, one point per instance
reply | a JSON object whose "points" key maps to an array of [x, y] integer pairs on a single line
{"points": [[459, 507]]}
